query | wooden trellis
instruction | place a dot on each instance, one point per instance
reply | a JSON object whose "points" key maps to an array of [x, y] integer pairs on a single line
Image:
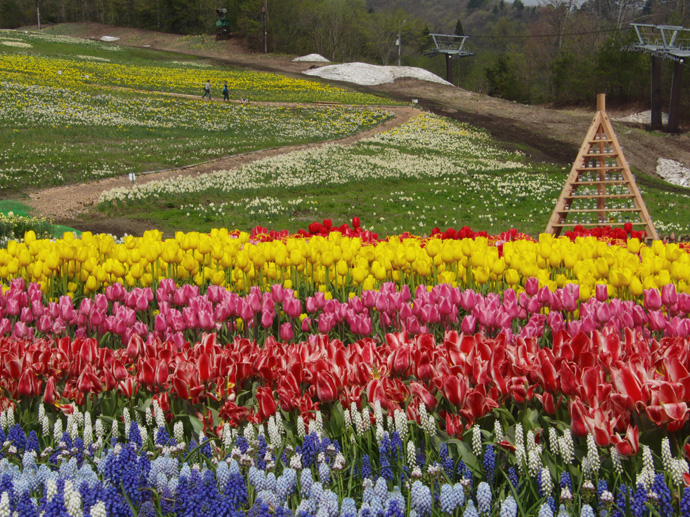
{"points": [[600, 190]]}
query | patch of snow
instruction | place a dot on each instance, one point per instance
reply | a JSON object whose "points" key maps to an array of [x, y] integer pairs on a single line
{"points": [[370, 75], [644, 117], [109, 38], [673, 172], [312, 58]]}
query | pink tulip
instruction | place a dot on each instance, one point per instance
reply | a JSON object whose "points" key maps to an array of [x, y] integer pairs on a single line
{"points": [[468, 300], [652, 299], [96, 319], [669, 297], [533, 306], [531, 286], [190, 319], [602, 292], [468, 324], [603, 314], [206, 320], [320, 299], [657, 320], [306, 324], [510, 302], [266, 319], [286, 333]]}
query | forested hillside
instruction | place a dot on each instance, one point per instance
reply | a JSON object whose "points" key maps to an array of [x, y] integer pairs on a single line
{"points": [[561, 51]]}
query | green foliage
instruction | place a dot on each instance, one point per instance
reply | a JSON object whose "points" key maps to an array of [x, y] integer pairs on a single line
{"points": [[458, 28], [10, 14], [571, 77], [624, 75], [504, 80], [476, 4]]}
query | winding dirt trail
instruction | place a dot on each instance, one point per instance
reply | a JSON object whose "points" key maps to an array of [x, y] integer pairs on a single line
{"points": [[70, 202]]}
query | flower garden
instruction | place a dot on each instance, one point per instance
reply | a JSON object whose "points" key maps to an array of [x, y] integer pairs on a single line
{"points": [[330, 371], [334, 372], [76, 110]]}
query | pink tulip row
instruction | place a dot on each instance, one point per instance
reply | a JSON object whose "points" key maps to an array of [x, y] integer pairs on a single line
{"points": [[183, 313]]}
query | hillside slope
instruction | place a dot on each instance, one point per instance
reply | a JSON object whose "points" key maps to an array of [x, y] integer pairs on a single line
{"points": [[544, 133]]}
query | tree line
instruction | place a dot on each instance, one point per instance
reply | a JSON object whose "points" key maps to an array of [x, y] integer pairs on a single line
{"points": [[561, 51]]}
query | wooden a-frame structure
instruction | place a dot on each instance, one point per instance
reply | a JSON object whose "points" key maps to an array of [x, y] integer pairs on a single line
{"points": [[600, 190]]}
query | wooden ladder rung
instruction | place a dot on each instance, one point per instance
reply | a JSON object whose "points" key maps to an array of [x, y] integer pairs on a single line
{"points": [[565, 225], [601, 196], [573, 211], [607, 182]]}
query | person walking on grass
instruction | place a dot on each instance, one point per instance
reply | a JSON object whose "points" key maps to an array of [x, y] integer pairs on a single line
{"points": [[207, 90], [226, 92]]}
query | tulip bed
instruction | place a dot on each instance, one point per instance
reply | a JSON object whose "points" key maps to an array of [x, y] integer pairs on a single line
{"points": [[334, 372]]}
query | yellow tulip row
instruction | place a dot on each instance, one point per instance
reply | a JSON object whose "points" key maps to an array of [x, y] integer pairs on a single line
{"points": [[340, 263]]}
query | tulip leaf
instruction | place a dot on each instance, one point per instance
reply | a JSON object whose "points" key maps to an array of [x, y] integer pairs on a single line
{"points": [[197, 425], [529, 417]]}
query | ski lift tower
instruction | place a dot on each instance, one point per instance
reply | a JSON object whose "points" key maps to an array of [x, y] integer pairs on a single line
{"points": [[664, 42], [452, 46]]}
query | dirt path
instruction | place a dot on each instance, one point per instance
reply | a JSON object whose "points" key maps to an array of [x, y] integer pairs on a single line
{"points": [[68, 203]]}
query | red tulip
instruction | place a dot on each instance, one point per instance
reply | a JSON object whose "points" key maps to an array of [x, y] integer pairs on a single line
{"points": [[455, 390], [326, 387], [50, 395], [629, 445], [27, 383], [135, 347], [267, 404], [421, 392]]}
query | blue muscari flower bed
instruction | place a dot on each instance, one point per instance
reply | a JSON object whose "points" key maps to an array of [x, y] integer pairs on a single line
{"points": [[255, 476]]}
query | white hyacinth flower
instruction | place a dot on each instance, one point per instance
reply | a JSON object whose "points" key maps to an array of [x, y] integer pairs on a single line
{"points": [[553, 441], [178, 432], [301, 431], [45, 427], [127, 419], [566, 447], [366, 419], [476, 440], [411, 455], [57, 430], [616, 459], [228, 437], [401, 424], [378, 412], [98, 510], [593, 454], [5, 510], [498, 431]]}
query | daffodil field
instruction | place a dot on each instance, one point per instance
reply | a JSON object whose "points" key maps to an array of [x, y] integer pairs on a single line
{"points": [[261, 363], [433, 170], [77, 117]]}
